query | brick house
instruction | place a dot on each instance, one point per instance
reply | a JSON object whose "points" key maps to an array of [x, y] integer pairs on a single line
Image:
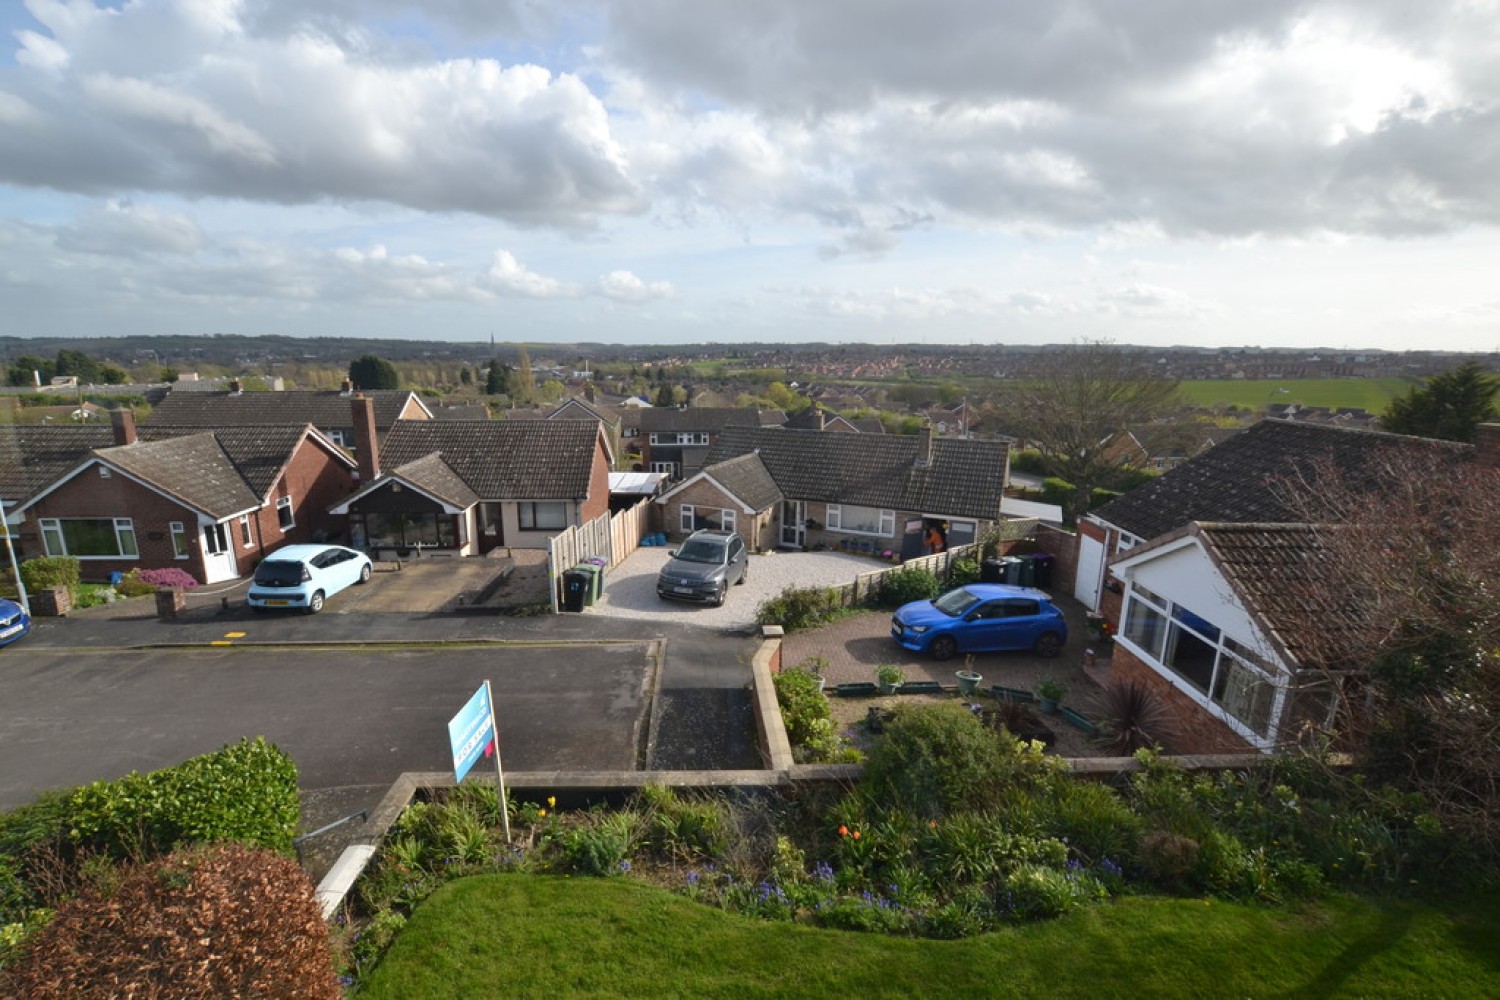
{"points": [[466, 487], [327, 410], [1207, 575], [781, 487], [211, 502], [676, 440]]}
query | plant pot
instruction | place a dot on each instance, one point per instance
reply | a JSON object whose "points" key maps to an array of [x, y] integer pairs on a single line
{"points": [[968, 682], [1047, 705], [890, 688]]}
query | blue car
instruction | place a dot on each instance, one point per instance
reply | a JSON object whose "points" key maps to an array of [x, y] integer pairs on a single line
{"points": [[981, 618], [304, 576], [14, 622]]}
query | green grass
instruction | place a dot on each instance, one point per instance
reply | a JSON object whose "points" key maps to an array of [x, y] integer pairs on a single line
{"points": [[1372, 394], [529, 935]]}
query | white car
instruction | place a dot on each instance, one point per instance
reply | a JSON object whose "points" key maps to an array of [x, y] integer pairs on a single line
{"points": [[304, 576]]}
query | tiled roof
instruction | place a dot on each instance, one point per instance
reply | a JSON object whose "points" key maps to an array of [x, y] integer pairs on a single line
{"points": [[502, 459], [747, 479], [431, 475], [581, 409], [706, 418], [33, 456], [258, 453], [1235, 481], [1281, 573], [964, 479], [196, 469], [323, 409]]}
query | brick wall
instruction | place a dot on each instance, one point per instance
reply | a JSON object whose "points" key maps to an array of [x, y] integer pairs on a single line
{"points": [[315, 480], [90, 495], [1196, 730], [598, 499], [1063, 545], [1487, 445], [705, 494]]}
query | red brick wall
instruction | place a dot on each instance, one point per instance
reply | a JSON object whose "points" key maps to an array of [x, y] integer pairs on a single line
{"points": [[1063, 545], [315, 481], [598, 500], [1487, 443], [89, 495], [751, 529], [1196, 730]]}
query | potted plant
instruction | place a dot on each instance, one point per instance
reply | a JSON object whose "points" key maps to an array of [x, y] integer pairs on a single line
{"points": [[1049, 692], [890, 677], [968, 679]]}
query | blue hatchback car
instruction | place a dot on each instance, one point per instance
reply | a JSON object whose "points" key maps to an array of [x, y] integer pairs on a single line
{"points": [[980, 618], [14, 622]]}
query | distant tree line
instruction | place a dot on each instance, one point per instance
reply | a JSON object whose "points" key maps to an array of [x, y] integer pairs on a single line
{"points": [[26, 369]]}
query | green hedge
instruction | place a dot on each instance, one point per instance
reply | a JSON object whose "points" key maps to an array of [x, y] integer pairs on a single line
{"points": [[245, 792], [907, 584], [50, 573]]}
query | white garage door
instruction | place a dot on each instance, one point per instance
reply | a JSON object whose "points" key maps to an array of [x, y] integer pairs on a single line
{"points": [[1090, 572]]}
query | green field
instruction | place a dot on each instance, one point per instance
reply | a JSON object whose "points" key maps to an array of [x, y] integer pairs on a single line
{"points": [[551, 936], [1367, 393]]}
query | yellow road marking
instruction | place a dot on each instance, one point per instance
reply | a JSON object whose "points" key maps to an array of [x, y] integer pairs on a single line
{"points": [[234, 635], [221, 642]]}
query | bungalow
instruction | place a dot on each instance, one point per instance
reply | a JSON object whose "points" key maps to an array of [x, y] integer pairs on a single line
{"points": [[780, 487], [466, 487], [1216, 614], [212, 502], [327, 410]]}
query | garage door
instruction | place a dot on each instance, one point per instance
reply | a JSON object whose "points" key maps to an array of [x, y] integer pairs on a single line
{"points": [[1090, 572]]}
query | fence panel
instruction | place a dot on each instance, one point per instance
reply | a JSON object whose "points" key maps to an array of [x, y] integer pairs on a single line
{"points": [[611, 537]]}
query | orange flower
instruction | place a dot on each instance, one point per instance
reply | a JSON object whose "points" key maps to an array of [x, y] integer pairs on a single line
{"points": [[855, 835], [843, 831], [932, 824]]}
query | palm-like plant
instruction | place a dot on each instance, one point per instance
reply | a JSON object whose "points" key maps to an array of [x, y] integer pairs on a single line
{"points": [[1133, 718]]}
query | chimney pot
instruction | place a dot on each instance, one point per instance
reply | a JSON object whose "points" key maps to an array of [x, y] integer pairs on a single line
{"points": [[236, 387]]}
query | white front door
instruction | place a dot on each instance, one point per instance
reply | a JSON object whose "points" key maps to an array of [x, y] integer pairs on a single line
{"points": [[218, 557], [1090, 572], [793, 524]]}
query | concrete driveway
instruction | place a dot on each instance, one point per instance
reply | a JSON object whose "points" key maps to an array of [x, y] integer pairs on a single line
{"points": [[630, 588]]}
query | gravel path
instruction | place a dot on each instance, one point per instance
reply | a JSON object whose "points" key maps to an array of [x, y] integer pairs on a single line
{"points": [[630, 588]]}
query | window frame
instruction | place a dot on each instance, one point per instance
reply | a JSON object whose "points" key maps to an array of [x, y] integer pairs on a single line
{"points": [[885, 520], [122, 529], [180, 547], [286, 514], [527, 511]]}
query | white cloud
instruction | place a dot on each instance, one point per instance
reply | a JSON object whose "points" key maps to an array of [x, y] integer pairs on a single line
{"points": [[622, 286], [507, 277]]}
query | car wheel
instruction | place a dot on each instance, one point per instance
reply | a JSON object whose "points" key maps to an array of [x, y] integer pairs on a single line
{"points": [[1048, 645], [943, 647], [315, 603], [364, 573]]}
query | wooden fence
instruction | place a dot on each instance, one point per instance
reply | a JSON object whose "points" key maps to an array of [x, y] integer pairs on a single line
{"points": [[611, 537]]}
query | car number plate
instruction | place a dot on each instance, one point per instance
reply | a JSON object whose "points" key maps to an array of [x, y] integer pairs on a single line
{"points": [[277, 604], [10, 631], [682, 590]]}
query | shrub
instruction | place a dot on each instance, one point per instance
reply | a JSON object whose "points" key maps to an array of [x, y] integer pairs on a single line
{"points": [[907, 584], [935, 759], [1094, 821], [228, 920], [1134, 718], [800, 608], [169, 577], [1169, 857], [965, 570], [685, 828], [599, 844], [1032, 892], [247, 792], [131, 585], [1058, 491], [50, 573], [802, 703]]}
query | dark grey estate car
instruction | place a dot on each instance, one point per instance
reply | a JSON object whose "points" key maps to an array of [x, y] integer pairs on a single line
{"points": [[704, 567]]}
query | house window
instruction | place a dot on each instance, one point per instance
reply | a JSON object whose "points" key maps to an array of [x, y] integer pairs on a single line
{"points": [[179, 540], [694, 518], [688, 518], [215, 541], [90, 537], [245, 531], [1188, 647], [546, 516], [854, 520], [670, 468], [284, 514], [341, 437]]}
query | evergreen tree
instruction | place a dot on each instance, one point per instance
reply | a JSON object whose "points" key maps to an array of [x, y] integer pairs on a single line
{"points": [[497, 380], [465, 376], [665, 397], [371, 372], [1450, 406]]}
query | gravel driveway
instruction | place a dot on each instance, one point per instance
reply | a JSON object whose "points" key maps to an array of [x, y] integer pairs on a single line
{"points": [[630, 588]]}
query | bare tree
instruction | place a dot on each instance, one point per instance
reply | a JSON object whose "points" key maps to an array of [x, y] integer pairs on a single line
{"points": [[1077, 400], [1403, 613]]}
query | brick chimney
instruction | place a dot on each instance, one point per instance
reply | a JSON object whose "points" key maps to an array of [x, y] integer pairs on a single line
{"points": [[366, 445], [122, 422], [236, 387], [924, 448], [1487, 445]]}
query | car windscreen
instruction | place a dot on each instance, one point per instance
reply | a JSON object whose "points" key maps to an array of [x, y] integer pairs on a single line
{"points": [[278, 573], [955, 602], [701, 552]]}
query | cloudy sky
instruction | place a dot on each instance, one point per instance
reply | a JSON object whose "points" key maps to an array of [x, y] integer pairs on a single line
{"points": [[1210, 172]]}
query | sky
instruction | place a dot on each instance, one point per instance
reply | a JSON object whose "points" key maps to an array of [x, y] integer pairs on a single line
{"points": [[1163, 172]]}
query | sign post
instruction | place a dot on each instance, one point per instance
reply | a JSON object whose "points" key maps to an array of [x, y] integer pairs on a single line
{"points": [[469, 733]]}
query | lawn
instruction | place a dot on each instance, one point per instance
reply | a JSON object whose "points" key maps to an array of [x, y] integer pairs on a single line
{"points": [[1371, 394], [531, 935]]}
